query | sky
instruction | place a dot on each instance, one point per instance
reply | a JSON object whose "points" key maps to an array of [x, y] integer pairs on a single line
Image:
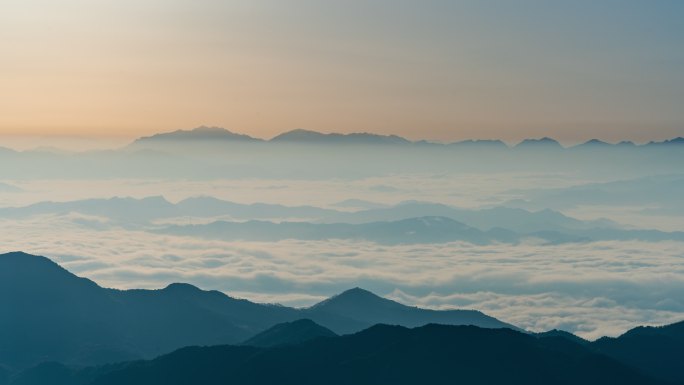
{"points": [[439, 70]]}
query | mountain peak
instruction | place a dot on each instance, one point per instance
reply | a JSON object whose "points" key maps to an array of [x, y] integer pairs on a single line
{"points": [[20, 259], [545, 142], [177, 287], [19, 254], [290, 333], [480, 143], [212, 129], [594, 143], [356, 298], [674, 141], [202, 133], [357, 292], [307, 136]]}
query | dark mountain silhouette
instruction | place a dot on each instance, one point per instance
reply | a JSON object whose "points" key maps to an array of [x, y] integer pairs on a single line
{"points": [[593, 144], [366, 307], [514, 219], [656, 351], [432, 354], [57, 316], [301, 136], [290, 333], [678, 141], [126, 209], [312, 137], [408, 222], [626, 143], [480, 144], [121, 209], [423, 230], [208, 206], [150, 209], [543, 143], [563, 334], [178, 155], [202, 133], [405, 231]]}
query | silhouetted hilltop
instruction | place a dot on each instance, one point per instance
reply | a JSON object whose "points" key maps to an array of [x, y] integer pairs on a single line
{"points": [[364, 306], [421, 230], [405, 231], [545, 143], [57, 316], [657, 351], [202, 133], [290, 333], [157, 207], [432, 354], [405, 223], [117, 208], [302, 136], [563, 334], [480, 144], [306, 136], [678, 141], [593, 144]]}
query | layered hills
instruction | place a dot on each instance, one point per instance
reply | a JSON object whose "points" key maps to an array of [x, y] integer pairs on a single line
{"points": [[57, 316]]}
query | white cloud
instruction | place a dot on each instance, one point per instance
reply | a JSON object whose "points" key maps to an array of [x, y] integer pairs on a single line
{"points": [[588, 288]]}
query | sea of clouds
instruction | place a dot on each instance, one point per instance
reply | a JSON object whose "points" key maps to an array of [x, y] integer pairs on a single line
{"points": [[592, 289]]}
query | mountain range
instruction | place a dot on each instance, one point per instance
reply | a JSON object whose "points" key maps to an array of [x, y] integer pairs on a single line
{"points": [[66, 330], [383, 354], [301, 136], [150, 209], [217, 153], [409, 222], [418, 230], [57, 316]]}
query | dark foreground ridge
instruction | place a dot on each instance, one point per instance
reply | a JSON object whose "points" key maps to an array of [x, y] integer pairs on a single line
{"points": [[66, 330], [290, 333], [57, 316], [382, 354]]}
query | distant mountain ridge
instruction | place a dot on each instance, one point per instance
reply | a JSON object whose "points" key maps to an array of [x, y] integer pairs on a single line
{"points": [[418, 230], [157, 207], [57, 316], [200, 133], [306, 136], [405, 223], [302, 136]]}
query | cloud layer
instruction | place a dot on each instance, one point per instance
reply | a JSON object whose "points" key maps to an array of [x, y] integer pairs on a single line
{"points": [[592, 289]]}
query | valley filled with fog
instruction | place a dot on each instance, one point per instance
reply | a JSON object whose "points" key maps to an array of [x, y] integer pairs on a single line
{"points": [[587, 239]]}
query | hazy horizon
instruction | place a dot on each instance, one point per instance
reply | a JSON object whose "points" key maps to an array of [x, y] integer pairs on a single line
{"points": [[513, 186], [432, 70], [72, 142]]}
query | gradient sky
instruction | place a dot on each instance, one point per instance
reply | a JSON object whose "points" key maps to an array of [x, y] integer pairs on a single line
{"points": [[443, 70]]}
